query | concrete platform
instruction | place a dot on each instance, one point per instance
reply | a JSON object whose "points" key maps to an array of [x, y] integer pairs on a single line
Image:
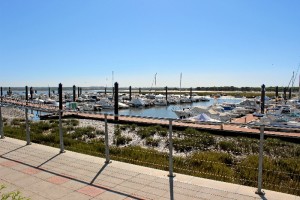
{"points": [[40, 172]]}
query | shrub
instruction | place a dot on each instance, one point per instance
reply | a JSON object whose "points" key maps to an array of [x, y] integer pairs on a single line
{"points": [[230, 146], [133, 127], [17, 121], [146, 132], [117, 131], [40, 126], [152, 142], [100, 132], [121, 140], [79, 132]]}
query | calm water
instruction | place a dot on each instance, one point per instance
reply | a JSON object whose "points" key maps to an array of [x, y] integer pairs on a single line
{"points": [[166, 111], [155, 111]]}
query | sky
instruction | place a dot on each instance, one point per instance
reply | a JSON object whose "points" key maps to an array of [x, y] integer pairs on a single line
{"points": [[97, 42]]}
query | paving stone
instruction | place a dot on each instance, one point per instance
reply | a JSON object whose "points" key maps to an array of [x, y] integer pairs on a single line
{"points": [[108, 195], [8, 163], [91, 191], [58, 180], [75, 196], [87, 180], [31, 170]]}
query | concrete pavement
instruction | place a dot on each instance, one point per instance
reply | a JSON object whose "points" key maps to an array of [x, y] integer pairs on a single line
{"points": [[40, 172]]}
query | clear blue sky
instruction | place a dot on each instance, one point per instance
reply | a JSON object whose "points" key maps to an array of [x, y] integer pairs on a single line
{"points": [[212, 42]]}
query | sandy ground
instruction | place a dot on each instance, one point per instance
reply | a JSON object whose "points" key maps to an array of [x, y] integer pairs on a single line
{"points": [[136, 140], [10, 113]]}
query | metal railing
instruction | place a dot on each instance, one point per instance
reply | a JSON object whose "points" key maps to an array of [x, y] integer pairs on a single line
{"points": [[190, 145]]}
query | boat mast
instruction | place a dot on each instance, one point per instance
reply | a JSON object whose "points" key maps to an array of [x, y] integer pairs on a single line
{"points": [[112, 84], [180, 84], [154, 82], [299, 89]]}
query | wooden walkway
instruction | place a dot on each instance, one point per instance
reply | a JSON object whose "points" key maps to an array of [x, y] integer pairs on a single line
{"points": [[238, 126]]}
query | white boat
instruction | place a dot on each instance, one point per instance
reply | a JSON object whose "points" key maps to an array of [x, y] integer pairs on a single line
{"points": [[160, 100], [105, 103], [249, 104], [137, 102], [202, 118], [185, 99], [122, 105]]}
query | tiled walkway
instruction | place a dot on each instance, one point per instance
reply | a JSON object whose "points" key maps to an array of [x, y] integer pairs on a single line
{"points": [[40, 172]]}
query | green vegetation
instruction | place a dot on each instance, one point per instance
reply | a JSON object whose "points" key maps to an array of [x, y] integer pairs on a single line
{"points": [[150, 141], [231, 159], [146, 132], [11, 195]]}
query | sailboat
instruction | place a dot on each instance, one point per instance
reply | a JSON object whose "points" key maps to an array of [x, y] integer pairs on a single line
{"points": [[183, 99]]}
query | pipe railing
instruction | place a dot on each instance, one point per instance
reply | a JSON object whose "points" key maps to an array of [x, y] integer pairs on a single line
{"points": [[171, 121]]}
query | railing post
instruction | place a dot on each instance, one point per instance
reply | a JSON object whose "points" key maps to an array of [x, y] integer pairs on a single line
{"points": [[26, 117], [170, 149], [61, 137], [1, 124], [171, 175], [27, 127], [260, 161], [107, 159]]}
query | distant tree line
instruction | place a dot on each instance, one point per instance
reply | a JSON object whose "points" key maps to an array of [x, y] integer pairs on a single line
{"points": [[243, 89]]}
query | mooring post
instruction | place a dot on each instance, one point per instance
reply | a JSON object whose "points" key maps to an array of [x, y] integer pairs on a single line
{"points": [[1, 94], [116, 101], [290, 93], [74, 93], [1, 124], [61, 137], [276, 93], [260, 161], [31, 93], [129, 93], [9, 91], [140, 91], [78, 92], [107, 161], [171, 175], [49, 92], [191, 92], [284, 93], [166, 93], [262, 99], [26, 118]]}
